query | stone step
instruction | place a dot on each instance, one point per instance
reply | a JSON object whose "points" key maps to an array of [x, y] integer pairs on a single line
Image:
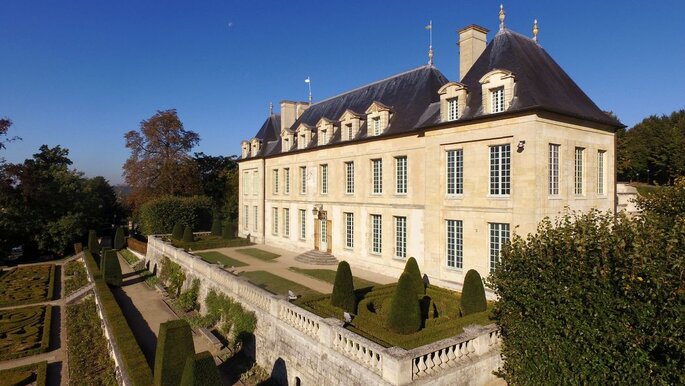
{"points": [[317, 258]]}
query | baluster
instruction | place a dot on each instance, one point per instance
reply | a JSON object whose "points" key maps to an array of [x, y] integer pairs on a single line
{"points": [[450, 355], [464, 351], [430, 364], [421, 366], [444, 359]]}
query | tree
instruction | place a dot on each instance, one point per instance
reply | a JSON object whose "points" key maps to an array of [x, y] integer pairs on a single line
{"points": [[343, 289], [216, 226], [5, 124], [473, 294], [160, 215], [227, 231], [216, 173], [405, 311], [160, 163], [412, 269]]}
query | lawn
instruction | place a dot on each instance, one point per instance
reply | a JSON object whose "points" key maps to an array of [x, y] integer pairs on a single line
{"points": [[276, 284], [130, 258], [26, 285], [33, 374], [208, 242], [24, 331], [75, 275], [218, 257], [328, 275], [645, 189], [258, 254]]}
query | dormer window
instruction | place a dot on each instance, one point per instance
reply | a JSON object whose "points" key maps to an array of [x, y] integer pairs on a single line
{"points": [[378, 116], [326, 129], [245, 149], [304, 135], [302, 141], [323, 137], [498, 90], [452, 101], [497, 101], [349, 134], [377, 126], [256, 146], [287, 140], [350, 123], [452, 109]]}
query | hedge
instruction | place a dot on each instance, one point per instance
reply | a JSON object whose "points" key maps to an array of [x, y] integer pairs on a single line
{"points": [[93, 244], [343, 289], [174, 347], [137, 245], [27, 285], [34, 374], [405, 312], [111, 268], [135, 364], [228, 230], [177, 232], [44, 339], [119, 241], [216, 227], [412, 269], [200, 370], [158, 216], [188, 236], [211, 244], [473, 294]]}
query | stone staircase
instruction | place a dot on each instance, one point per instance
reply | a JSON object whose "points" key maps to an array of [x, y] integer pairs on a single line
{"points": [[315, 257]]}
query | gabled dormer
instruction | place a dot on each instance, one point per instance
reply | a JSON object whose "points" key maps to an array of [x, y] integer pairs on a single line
{"points": [[350, 122], [377, 118], [498, 90], [287, 140], [452, 101], [245, 147], [256, 146], [326, 130], [304, 135]]}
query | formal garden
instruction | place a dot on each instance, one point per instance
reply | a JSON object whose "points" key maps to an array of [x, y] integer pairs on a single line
{"points": [[31, 374], [75, 277], [27, 285], [24, 331]]}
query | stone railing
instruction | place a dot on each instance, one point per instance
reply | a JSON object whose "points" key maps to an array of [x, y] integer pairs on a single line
{"points": [[391, 366]]}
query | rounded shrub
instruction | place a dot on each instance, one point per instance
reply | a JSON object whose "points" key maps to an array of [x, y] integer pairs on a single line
{"points": [[200, 370], [177, 233], [174, 347], [93, 244], [473, 294], [111, 270], [343, 289], [188, 235], [412, 269], [405, 311], [119, 240], [216, 227]]}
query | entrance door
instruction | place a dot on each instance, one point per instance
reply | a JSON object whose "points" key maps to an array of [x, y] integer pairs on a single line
{"points": [[323, 244]]}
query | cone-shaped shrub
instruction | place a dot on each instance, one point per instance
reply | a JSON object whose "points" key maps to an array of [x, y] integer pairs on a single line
{"points": [[119, 241], [473, 294], [200, 370], [405, 311], [216, 227], [188, 235], [174, 347], [177, 232], [111, 270], [227, 231], [93, 244], [412, 268], [343, 289]]}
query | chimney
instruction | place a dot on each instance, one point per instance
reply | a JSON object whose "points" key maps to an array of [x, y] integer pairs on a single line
{"points": [[288, 116], [472, 42], [300, 108]]}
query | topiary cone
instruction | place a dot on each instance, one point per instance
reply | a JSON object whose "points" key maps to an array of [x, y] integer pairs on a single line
{"points": [[200, 370], [473, 294], [216, 227], [111, 269], [93, 244], [412, 268], [405, 312], [177, 233], [174, 347], [119, 241], [188, 235], [343, 289]]}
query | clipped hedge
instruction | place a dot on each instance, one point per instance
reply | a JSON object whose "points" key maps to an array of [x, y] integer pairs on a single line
{"points": [[404, 316], [174, 347], [158, 216], [473, 294], [228, 231], [188, 236], [177, 232], [33, 374], [27, 285], [9, 324], [200, 370], [111, 269], [119, 240], [343, 289], [216, 227], [93, 244], [412, 269]]}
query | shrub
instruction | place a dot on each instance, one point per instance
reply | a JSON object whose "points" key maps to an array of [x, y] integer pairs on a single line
{"points": [[234, 318], [200, 370], [188, 236], [119, 240], [412, 269], [171, 275], [93, 244], [405, 312], [111, 269], [174, 347], [343, 289], [177, 233], [216, 227], [158, 216], [188, 300], [228, 232], [473, 294]]}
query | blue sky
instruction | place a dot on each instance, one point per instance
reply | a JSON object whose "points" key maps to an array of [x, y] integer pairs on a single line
{"points": [[82, 73]]}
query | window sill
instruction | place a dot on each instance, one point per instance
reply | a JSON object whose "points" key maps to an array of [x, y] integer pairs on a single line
{"points": [[349, 194], [555, 198], [499, 197], [349, 248], [397, 258], [454, 197], [400, 195], [455, 269], [377, 254]]}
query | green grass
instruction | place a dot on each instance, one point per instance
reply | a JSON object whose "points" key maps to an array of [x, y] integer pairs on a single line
{"points": [[76, 277], [328, 275], [32, 374], [130, 258], [258, 253], [26, 285], [646, 190], [209, 242], [218, 257], [276, 284]]}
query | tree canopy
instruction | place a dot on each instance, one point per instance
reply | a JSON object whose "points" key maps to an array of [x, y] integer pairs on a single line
{"points": [[219, 179]]}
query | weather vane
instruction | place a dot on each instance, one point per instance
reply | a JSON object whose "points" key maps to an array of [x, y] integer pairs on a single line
{"points": [[429, 27], [309, 83]]}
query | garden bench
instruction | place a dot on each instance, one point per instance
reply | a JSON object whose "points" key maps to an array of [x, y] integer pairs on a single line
{"points": [[213, 340]]}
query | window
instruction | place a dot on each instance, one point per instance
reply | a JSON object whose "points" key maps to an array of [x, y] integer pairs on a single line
{"points": [[286, 144], [452, 109], [348, 130], [275, 221], [401, 237], [301, 144], [600, 172], [376, 234], [246, 185], [286, 222], [401, 175], [303, 180], [286, 177], [499, 234], [349, 230], [497, 100], [500, 170], [274, 179], [255, 183], [303, 224], [349, 177], [553, 188], [245, 217], [455, 246], [377, 126], [324, 137], [455, 172], [377, 176], [256, 213], [578, 180], [324, 178]]}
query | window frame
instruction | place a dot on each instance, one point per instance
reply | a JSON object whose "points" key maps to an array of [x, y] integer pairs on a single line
{"points": [[453, 109], [255, 209], [497, 100], [377, 126], [498, 235], [255, 182], [303, 180], [274, 221], [303, 224], [286, 182], [324, 178], [246, 217], [454, 172], [601, 173], [286, 222], [500, 183], [579, 171], [349, 177], [400, 223], [377, 176], [274, 181], [376, 234], [454, 244], [553, 171], [349, 230], [401, 175]]}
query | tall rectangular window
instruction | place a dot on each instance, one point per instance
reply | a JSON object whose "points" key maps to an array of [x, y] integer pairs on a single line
{"points": [[256, 217], [348, 130], [553, 185], [303, 224], [401, 175], [401, 237], [303, 180], [286, 182], [377, 176], [324, 137], [452, 109], [578, 178], [455, 243], [500, 170], [255, 183], [301, 141], [455, 172], [349, 230], [497, 101], [275, 221], [246, 184], [324, 178], [376, 126], [499, 235], [245, 217], [601, 176], [274, 180], [286, 222], [376, 234], [349, 177]]}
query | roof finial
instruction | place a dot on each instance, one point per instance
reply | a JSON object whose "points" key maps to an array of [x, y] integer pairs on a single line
{"points": [[271, 108], [429, 27], [535, 30], [309, 83], [501, 17]]}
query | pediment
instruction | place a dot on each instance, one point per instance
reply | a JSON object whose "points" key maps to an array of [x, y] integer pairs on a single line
{"points": [[349, 114], [501, 73], [452, 86], [377, 107]]}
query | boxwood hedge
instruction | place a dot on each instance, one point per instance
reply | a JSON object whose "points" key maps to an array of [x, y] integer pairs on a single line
{"points": [[174, 347]]}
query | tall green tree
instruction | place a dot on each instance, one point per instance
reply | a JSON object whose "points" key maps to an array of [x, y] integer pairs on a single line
{"points": [[5, 124], [216, 173]]}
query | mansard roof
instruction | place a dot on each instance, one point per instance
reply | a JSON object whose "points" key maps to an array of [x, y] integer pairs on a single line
{"points": [[269, 134]]}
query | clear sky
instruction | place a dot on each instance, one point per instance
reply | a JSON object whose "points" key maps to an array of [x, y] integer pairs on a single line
{"points": [[82, 73]]}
